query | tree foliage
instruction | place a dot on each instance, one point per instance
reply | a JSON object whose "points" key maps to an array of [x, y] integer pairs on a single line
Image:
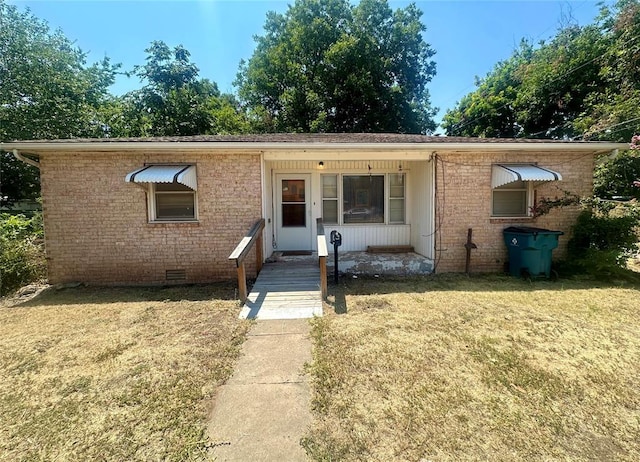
{"points": [[174, 101], [584, 83], [328, 66], [537, 92], [47, 91]]}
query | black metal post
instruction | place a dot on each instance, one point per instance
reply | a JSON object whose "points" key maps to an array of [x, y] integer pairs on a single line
{"points": [[335, 264], [336, 240]]}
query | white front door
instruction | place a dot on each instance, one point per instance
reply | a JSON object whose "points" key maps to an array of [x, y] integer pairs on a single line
{"points": [[293, 211]]}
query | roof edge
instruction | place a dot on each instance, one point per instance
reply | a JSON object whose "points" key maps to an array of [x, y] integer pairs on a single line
{"points": [[38, 147]]}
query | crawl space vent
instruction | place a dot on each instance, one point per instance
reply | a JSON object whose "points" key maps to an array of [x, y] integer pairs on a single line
{"points": [[176, 275]]}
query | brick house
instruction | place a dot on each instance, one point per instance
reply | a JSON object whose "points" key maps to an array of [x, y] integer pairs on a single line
{"points": [[155, 210]]}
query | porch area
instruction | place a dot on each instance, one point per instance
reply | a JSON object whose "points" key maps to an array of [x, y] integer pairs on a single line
{"points": [[364, 263], [286, 289], [288, 286]]}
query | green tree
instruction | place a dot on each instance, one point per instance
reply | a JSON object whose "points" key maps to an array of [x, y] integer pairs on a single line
{"points": [[536, 93], [584, 83], [327, 66], [490, 111], [173, 101], [612, 112], [47, 91]]}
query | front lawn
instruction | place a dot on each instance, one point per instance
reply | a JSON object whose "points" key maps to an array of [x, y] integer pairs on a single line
{"points": [[114, 374], [482, 368]]}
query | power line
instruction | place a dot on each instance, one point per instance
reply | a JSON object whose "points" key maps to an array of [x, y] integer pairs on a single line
{"points": [[558, 78], [612, 126], [533, 39]]}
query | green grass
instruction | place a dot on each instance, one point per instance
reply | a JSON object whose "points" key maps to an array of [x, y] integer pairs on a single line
{"points": [[114, 374], [481, 368]]}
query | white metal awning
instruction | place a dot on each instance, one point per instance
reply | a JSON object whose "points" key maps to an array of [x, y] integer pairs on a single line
{"points": [[508, 173], [183, 174]]}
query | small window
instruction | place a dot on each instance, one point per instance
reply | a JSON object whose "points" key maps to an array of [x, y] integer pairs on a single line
{"points": [[172, 202], [511, 199], [396, 198], [171, 191], [330, 199]]}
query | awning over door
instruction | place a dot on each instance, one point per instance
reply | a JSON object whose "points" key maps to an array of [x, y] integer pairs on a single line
{"points": [[183, 174], [508, 173]]}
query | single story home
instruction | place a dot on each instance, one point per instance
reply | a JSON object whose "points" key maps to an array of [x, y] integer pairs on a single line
{"points": [[165, 210]]}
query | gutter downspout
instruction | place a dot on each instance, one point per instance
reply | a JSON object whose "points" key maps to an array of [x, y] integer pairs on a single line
{"points": [[26, 160], [607, 157]]}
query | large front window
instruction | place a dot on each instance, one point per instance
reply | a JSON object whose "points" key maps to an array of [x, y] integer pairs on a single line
{"points": [[362, 199]]}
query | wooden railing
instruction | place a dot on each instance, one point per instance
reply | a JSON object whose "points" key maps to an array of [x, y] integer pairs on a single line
{"points": [[323, 253], [242, 250]]}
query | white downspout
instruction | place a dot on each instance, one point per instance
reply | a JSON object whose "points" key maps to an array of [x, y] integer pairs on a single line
{"points": [[26, 160]]}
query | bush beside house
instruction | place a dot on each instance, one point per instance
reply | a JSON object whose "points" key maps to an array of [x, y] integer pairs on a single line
{"points": [[21, 251]]}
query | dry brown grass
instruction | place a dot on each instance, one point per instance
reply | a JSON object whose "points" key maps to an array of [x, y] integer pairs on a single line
{"points": [[484, 368], [114, 374]]}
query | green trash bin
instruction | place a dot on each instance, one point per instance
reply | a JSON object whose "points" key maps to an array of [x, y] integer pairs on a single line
{"points": [[530, 250]]}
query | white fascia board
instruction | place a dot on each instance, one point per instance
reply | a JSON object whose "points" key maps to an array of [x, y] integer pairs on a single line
{"points": [[308, 148]]}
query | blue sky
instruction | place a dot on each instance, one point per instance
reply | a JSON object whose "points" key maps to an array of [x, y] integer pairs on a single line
{"points": [[469, 37]]}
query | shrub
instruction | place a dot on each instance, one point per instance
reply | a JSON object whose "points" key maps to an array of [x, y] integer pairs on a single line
{"points": [[616, 177], [21, 251], [604, 237]]}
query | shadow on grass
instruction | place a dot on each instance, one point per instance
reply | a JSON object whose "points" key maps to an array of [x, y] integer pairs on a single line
{"points": [[102, 295], [363, 285]]}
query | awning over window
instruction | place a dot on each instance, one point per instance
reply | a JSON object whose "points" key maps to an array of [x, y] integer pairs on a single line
{"points": [[508, 173], [183, 174]]}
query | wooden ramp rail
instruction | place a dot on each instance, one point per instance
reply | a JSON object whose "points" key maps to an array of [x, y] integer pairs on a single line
{"points": [[242, 250], [323, 253]]}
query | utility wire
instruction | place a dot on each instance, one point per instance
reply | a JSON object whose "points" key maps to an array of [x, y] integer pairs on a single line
{"points": [[561, 77]]}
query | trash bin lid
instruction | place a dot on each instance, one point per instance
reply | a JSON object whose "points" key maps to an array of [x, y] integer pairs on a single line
{"points": [[529, 230]]}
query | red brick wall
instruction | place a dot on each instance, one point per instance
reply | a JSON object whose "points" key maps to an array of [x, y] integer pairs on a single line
{"points": [[464, 201], [96, 227]]}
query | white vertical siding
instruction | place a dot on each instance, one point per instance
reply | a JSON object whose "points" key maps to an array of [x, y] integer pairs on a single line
{"points": [[420, 193], [357, 238], [267, 198], [354, 237], [338, 166]]}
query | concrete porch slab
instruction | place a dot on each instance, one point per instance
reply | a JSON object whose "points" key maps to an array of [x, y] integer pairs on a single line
{"points": [[383, 264]]}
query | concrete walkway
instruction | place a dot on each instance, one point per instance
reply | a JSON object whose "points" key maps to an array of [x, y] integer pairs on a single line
{"points": [[263, 410]]}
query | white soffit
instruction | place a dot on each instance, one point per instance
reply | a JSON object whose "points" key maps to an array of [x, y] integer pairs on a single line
{"points": [[508, 173], [183, 174]]}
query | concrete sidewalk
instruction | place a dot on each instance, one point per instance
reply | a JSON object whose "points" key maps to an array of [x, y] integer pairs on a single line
{"points": [[261, 413]]}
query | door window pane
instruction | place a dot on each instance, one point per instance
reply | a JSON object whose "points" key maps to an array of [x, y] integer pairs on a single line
{"points": [[293, 191], [294, 215], [363, 199]]}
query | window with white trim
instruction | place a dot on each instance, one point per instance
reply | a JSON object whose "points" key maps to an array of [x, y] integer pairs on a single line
{"points": [[172, 202], [362, 199], [512, 199], [170, 190], [330, 199]]}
